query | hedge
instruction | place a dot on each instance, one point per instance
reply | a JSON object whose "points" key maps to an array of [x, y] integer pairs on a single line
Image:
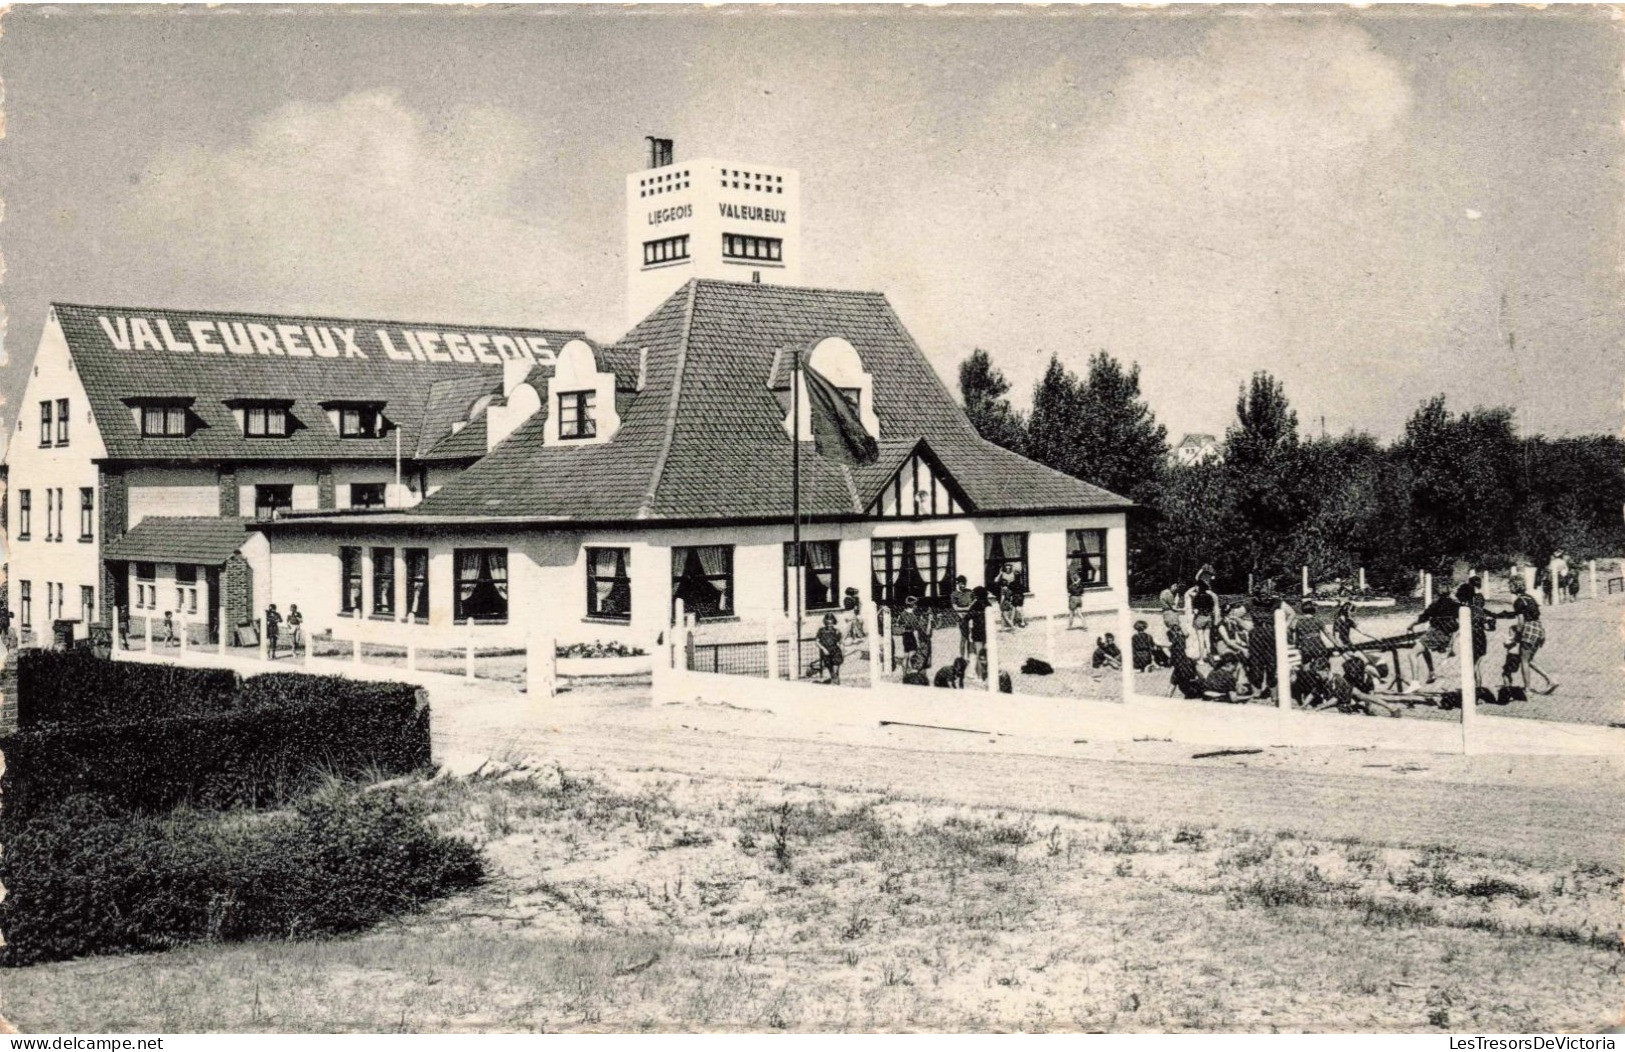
{"points": [[71, 688], [84, 877], [282, 734]]}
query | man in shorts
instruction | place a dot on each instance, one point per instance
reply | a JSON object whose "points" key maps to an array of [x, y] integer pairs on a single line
{"points": [[1077, 582], [1204, 614], [963, 600]]}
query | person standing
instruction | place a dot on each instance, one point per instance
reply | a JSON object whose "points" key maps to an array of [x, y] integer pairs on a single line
{"points": [[1076, 583], [1441, 621], [962, 600], [1261, 607], [1531, 635], [296, 629], [1557, 573], [830, 654], [273, 626], [1204, 610]]}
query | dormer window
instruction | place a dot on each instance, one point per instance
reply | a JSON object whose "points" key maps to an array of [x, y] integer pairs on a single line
{"points": [[265, 421], [163, 421], [576, 414], [359, 422], [357, 419]]}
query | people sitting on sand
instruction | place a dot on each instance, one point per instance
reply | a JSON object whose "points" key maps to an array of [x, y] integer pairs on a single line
{"points": [[951, 675], [1145, 650], [1352, 689], [1230, 634], [914, 672], [1106, 654]]}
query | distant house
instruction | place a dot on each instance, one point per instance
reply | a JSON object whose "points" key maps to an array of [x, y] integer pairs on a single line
{"points": [[1197, 448]]}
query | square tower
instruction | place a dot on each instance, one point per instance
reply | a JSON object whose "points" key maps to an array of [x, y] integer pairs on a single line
{"points": [[705, 218]]}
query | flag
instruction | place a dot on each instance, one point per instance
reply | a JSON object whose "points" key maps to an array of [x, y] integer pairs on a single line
{"points": [[837, 431]]}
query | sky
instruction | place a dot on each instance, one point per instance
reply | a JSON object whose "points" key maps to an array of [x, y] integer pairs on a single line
{"points": [[1376, 205]]}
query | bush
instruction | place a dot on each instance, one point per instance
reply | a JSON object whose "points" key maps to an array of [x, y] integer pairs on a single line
{"points": [[75, 687], [598, 649], [284, 733], [83, 877]]}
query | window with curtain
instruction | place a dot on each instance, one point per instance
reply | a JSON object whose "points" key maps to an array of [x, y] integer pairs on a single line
{"points": [[482, 584], [45, 423], [87, 513], [26, 603], [158, 421], [922, 567], [609, 585], [417, 583], [1001, 548], [349, 580], [383, 582], [1086, 552], [820, 575], [61, 421], [25, 513], [703, 578]]}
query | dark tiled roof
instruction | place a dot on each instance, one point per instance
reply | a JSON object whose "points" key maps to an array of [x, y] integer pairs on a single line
{"points": [[112, 376], [448, 402], [705, 439], [204, 541]]}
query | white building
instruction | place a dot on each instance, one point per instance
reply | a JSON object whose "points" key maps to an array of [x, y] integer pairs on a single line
{"points": [[439, 482], [161, 433], [705, 218], [1197, 448]]}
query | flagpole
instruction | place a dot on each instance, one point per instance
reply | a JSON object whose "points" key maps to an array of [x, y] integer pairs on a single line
{"points": [[795, 502]]}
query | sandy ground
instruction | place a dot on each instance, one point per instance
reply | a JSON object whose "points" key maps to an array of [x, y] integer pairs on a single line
{"points": [[1551, 808]]}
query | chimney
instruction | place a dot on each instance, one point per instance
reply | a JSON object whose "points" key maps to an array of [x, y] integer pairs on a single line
{"points": [[660, 152]]}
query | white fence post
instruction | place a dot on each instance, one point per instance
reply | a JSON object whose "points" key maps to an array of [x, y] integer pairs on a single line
{"points": [[1469, 680], [186, 627], [149, 633], [1305, 581], [772, 632], [887, 618], [991, 623], [1427, 590], [1591, 565], [1529, 579], [355, 649], [1283, 666], [1125, 645], [224, 629], [1049, 640], [468, 660], [874, 645], [1362, 579], [541, 666], [411, 656]]}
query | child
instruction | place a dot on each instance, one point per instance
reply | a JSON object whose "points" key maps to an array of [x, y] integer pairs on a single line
{"points": [[169, 628], [1106, 653], [296, 629], [853, 606], [915, 676], [1512, 664], [1143, 647], [952, 675], [829, 649]]}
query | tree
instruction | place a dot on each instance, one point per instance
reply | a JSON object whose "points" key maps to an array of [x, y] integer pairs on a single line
{"points": [[1098, 429], [1262, 466], [1465, 477], [984, 389]]}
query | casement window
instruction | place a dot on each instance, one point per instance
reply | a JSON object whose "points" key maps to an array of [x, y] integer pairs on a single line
{"points": [[609, 584], [265, 421], [754, 249], [417, 583], [25, 513], [146, 585], [270, 501], [55, 507], [359, 421], [367, 494], [25, 603], [1086, 553], [87, 513], [163, 421], [186, 587], [61, 421], [45, 424], [820, 570], [665, 250], [1005, 549], [576, 414], [922, 567], [349, 580], [703, 578], [482, 584], [383, 582]]}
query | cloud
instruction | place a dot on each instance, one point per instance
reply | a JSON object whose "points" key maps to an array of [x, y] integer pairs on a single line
{"points": [[361, 205], [1229, 208]]}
